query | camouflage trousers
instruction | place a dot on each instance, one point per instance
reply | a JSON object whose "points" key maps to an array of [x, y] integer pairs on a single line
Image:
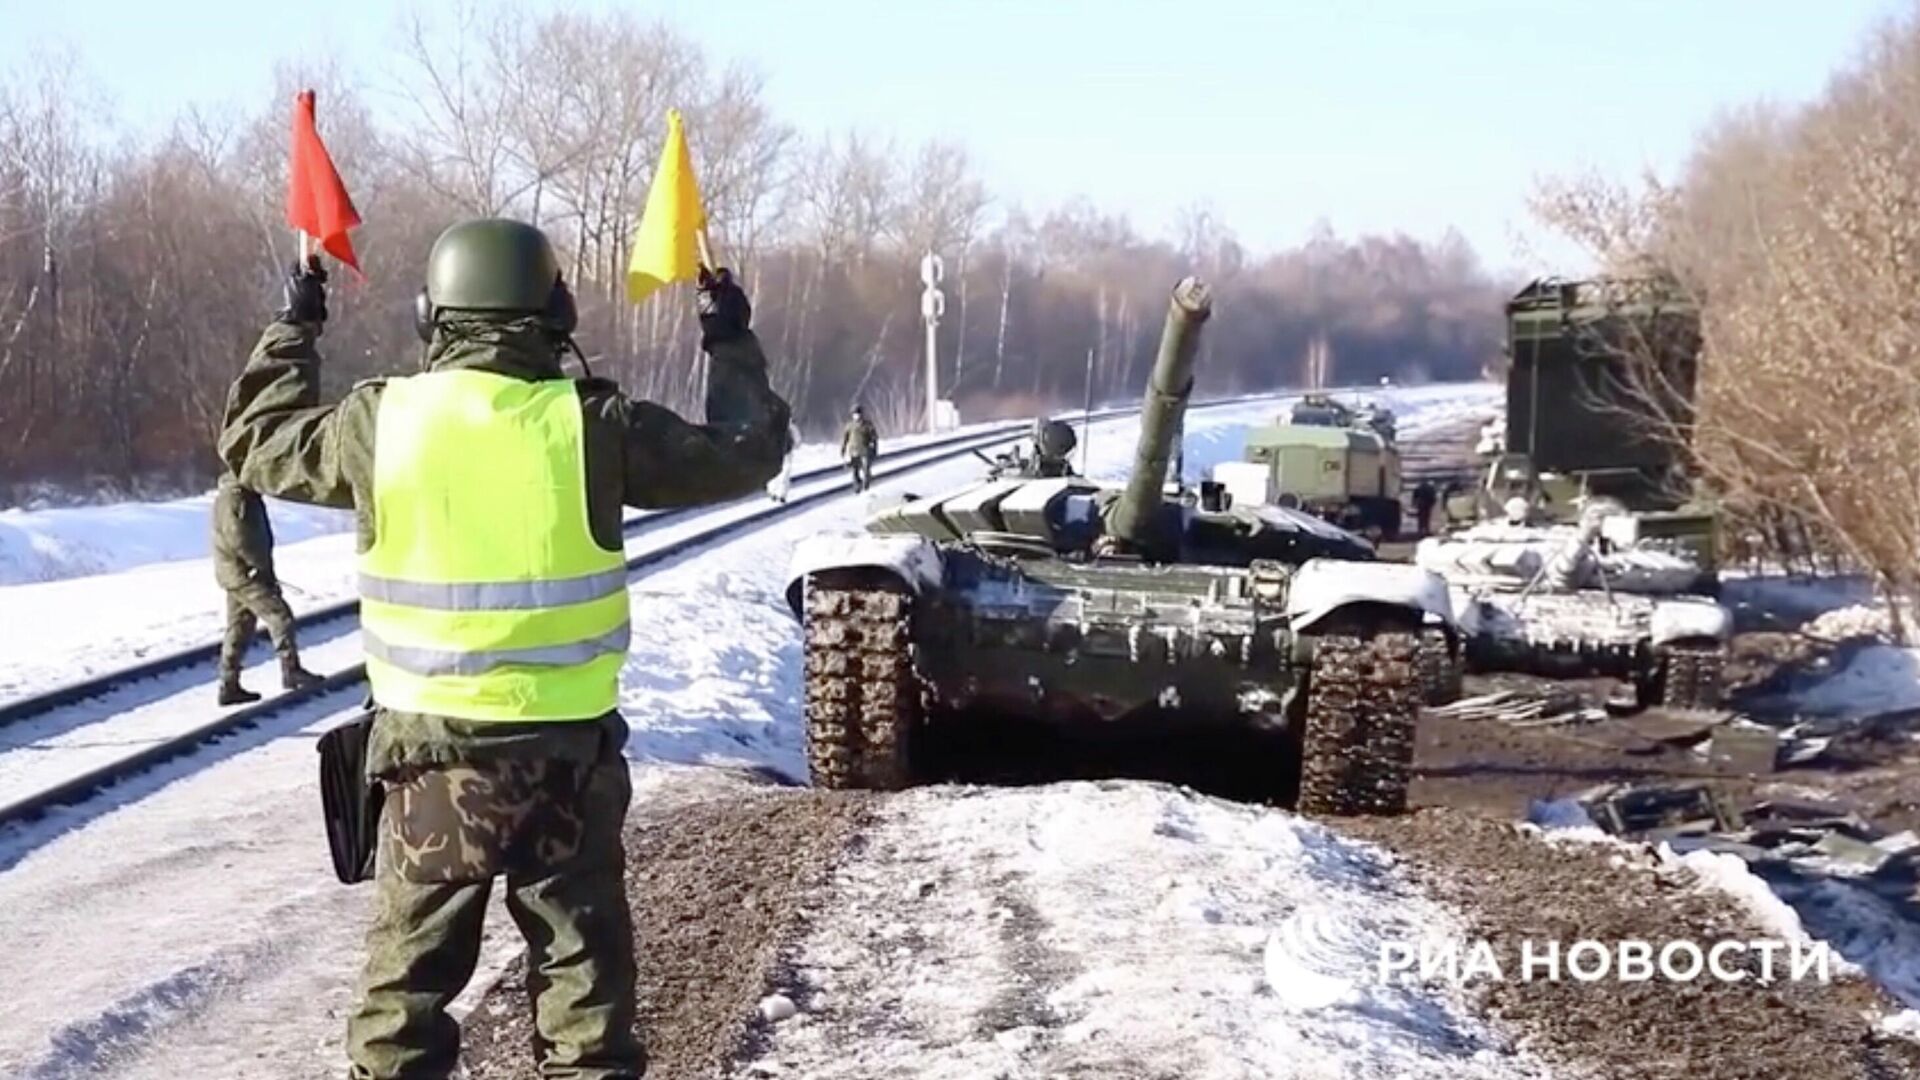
{"points": [[248, 607], [553, 830], [862, 466]]}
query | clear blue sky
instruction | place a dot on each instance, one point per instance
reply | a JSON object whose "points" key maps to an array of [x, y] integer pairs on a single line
{"points": [[1404, 115]]}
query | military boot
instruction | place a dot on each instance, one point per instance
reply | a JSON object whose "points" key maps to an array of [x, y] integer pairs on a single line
{"points": [[232, 693], [295, 677]]}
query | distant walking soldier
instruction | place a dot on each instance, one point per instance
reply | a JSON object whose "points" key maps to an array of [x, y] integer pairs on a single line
{"points": [[1423, 499], [858, 445], [493, 609], [243, 564]]}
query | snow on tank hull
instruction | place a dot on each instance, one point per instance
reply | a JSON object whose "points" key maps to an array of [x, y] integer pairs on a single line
{"points": [[1112, 642], [950, 634], [1548, 600]]}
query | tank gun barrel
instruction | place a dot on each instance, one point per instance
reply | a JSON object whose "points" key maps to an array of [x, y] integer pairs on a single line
{"points": [[1162, 412]]}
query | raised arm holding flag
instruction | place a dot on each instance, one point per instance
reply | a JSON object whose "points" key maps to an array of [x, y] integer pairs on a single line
{"points": [[671, 243], [489, 490], [318, 206]]}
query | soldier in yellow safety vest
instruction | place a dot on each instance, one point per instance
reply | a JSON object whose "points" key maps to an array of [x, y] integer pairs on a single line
{"points": [[489, 491]]}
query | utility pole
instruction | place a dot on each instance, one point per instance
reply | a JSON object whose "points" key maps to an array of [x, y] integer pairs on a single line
{"points": [[1086, 418], [933, 304]]}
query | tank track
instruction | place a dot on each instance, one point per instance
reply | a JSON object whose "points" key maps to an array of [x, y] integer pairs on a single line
{"points": [[1441, 670], [862, 697], [1363, 696], [1689, 676]]}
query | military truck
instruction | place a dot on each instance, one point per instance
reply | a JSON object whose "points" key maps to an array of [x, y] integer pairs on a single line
{"points": [[1327, 458], [1112, 612], [1587, 555]]}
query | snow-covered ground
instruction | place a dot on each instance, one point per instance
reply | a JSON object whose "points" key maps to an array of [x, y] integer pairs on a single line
{"points": [[233, 952], [1872, 674], [1118, 929]]}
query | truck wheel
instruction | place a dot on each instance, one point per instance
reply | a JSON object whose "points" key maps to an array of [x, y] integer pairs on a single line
{"points": [[1363, 697], [862, 696]]}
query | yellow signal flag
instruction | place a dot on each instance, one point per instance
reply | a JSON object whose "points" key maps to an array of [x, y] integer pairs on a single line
{"points": [[667, 247]]}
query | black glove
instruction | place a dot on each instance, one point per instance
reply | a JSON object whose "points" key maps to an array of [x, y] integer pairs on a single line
{"points": [[724, 308], [305, 293]]}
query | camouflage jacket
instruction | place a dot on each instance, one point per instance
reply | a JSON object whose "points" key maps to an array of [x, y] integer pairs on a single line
{"points": [[280, 440], [242, 537], [859, 439]]}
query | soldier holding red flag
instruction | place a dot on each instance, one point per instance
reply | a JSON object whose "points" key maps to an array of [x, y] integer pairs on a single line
{"points": [[489, 492]]}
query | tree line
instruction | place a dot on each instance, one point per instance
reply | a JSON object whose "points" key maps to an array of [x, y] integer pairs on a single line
{"points": [[136, 269], [1797, 230]]}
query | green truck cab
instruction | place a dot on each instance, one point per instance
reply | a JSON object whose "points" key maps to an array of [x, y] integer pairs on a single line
{"points": [[1328, 459]]}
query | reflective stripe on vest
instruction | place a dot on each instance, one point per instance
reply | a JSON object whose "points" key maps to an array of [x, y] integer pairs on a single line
{"points": [[484, 595]]}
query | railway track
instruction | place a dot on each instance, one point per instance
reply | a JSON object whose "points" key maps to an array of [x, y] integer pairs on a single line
{"points": [[40, 704], [16, 806]]}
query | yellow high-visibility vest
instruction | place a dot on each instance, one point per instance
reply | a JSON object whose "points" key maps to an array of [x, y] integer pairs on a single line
{"points": [[484, 595]]}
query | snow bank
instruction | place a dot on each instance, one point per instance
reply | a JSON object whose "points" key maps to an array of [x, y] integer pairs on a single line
{"points": [[71, 542], [1851, 621], [1729, 875], [1108, 929], [1865, 928], [1789, 598], [1867, 935]]}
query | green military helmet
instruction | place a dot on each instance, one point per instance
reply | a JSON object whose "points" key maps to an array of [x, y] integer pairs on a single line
{"points": [[1054, 438], [494, 266]]}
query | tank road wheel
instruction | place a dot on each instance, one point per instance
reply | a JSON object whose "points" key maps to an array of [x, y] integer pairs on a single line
{"points": [[1687, 676], [1363, 696], [1442, 668], [862, 698]]}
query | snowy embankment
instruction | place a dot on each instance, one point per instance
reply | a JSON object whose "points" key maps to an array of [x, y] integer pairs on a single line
{"points": [[60, 544], [65, 543], [79, 541], [1122, 930]]}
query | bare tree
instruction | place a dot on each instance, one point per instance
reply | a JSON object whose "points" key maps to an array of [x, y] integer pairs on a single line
{"points": [[135, 272], [1797, 234]]}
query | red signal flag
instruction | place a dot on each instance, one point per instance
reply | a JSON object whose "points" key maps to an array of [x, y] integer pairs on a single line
{"points": [[317, 202]]}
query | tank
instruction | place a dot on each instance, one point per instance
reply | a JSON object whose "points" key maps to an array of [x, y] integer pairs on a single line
{"points": [[1096, 614], [1587, 555], [1569, 600], [1332, 460]]}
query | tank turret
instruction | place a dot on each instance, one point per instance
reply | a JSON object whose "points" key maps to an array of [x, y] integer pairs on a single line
{"points": [[1136, 513]]}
